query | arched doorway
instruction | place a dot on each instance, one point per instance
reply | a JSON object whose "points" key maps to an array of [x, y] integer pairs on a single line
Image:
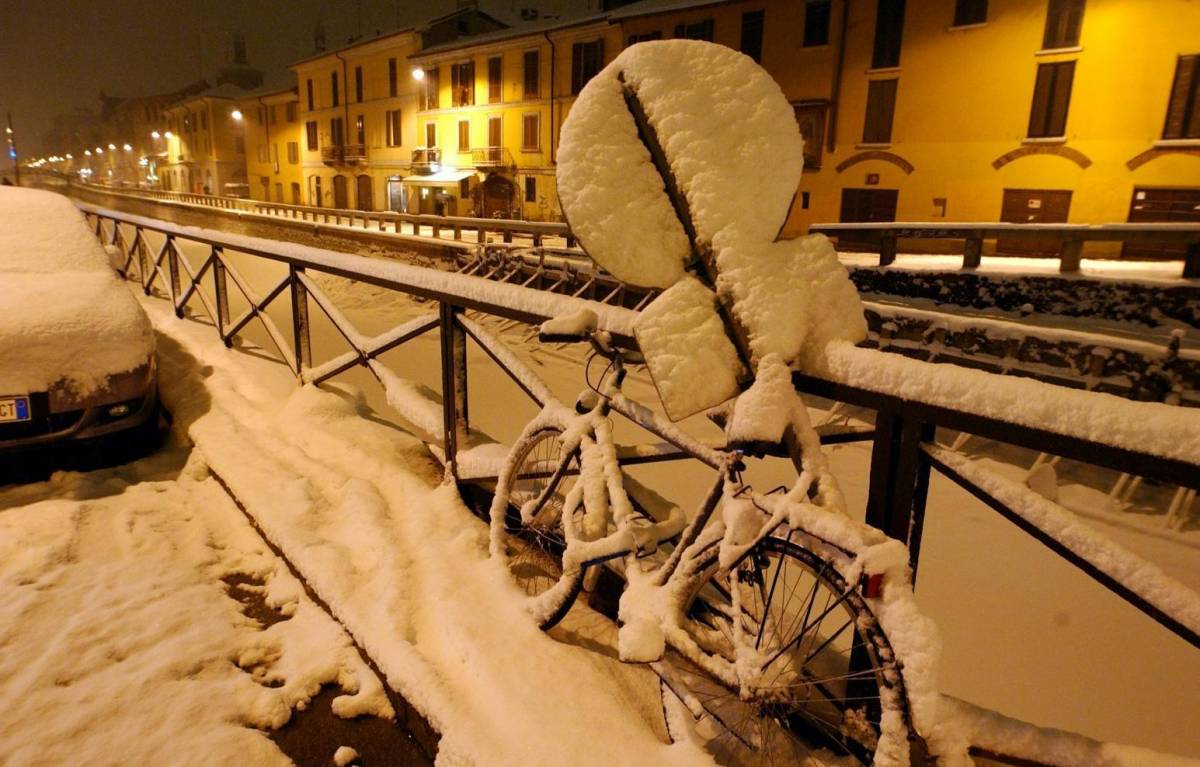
{"points": [[362, 193], [341, 197], [497, 196]]}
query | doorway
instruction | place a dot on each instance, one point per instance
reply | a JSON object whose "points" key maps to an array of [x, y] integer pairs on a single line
{"points": [[363, 193], [865, 206], [295, 193], [341, 197], [1153, 205], [497, 196], [1033, 206], [396, 195]]}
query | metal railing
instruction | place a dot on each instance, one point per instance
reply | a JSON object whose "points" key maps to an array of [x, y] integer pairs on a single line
{"points": [[426, 158], [904, 451], [1069, 238], [491, 157]]}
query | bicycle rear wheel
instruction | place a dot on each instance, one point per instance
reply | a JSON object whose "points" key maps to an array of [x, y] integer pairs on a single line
{"points": [[534, 540], [817, 671]]}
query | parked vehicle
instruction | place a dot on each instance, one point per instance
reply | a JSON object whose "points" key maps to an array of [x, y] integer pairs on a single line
{"points": [[77, 356]]}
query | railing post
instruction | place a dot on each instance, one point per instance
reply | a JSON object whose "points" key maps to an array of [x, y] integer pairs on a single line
{"points": [[141, 260], [1072, 250], [887, 248], [1191, 262], [221, 288], [973, 252], [173, 271], [455, 423], [899, 479], [300, 329]]}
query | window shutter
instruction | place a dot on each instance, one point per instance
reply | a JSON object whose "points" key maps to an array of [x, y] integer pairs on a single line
{"points": [[576, 67], [881, 107], [1182, 118], [1064, 18]]}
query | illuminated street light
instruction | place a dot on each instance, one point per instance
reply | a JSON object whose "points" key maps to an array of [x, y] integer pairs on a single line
{"points": [[169, 134], [127, 148], [236, 114], [70, 156], [112, 146], [155, 134], [88, 152], [99, 150], [418, 73]]}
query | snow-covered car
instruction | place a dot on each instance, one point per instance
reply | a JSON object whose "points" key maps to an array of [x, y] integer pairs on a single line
{"points": [[77, 358]]}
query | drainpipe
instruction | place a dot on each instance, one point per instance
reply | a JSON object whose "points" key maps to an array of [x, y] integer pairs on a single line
{"points": [[836, 90], [553, 124]]}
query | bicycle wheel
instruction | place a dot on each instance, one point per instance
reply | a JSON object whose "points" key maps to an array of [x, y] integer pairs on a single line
{"points": [[534, 537], [816, 670]]}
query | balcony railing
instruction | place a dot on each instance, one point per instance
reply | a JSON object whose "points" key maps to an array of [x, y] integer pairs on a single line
{"points": [[426, 159], [343, 154], [491, 157]]}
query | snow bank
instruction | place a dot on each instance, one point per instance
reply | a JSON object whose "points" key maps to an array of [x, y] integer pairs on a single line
{"points": [[66, 320]]}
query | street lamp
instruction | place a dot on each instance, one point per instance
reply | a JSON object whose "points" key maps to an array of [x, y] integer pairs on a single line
{"points": [[112, 146], [169, 134], [236, 114], [418, 74], [127, 148], [155, 134]]}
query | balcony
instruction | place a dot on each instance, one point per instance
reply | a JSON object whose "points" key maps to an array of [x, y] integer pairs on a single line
{"points": [[426, 160], [343, 154], [491, 157]]}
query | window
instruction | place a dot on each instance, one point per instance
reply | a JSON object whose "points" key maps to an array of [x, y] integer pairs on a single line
{"points": [[289, 111], [495, 80], [645, 37], [462, 84], [430, 96], [1183, 111], [274, 114], [701, 30], [464, 188], [881, 106], [337, 131], [816, 22], [334, 87], [1051, 96], [530, 189], [810, 118], [464, 136], [889, 28], [262, 153], [293, 152], [360, 130], [752, 34], [311, 128], [393, 78], [204, 121], [430, 134], [531, 132], [495, 132], [533, 71], [309, 88], [262, 116], [586, 60], [358, 91], [1063, 20], [967, 12], [393, 127]]}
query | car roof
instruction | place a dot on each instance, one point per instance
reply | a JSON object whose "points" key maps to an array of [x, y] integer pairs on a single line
{"points": [[43, 232]]}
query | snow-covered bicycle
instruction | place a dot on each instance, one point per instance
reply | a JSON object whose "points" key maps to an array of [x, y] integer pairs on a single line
{"points": [[760, 611]]}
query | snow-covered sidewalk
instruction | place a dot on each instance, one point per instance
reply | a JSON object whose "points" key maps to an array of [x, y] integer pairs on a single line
{"points": [[360, 509], [122, 636]]}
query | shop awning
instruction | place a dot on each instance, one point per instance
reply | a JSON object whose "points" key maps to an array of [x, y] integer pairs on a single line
{"points": [[440, 178]]}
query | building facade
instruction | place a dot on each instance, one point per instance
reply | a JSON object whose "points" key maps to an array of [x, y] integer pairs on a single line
{"points": [[273, 141], [206, 144]]}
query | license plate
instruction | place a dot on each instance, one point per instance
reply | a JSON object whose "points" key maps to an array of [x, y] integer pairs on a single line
{"points": [[14, 409]]}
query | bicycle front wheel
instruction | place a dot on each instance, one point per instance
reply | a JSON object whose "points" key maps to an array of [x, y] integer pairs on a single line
{"points": [[534, 539], [815, 670]]}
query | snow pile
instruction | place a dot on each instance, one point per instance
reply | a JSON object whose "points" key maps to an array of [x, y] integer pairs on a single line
{"points": [[59, 298], [121, 644], [691, 359]]}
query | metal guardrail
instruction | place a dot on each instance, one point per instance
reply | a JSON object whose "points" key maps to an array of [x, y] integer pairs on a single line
{"points": [[903, 451], [1070, 238]]}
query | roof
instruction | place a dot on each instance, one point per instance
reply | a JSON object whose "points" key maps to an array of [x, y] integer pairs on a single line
{"points": [[650, 7], [365, 40], [500, 35]]}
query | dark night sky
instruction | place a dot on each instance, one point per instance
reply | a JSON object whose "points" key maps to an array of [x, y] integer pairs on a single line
{"points": [[59, 54]]}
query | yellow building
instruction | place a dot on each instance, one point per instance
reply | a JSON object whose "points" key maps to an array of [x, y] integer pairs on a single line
{"points": [[206, 144], [273, 138], [965, 110], [490, 111]]}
